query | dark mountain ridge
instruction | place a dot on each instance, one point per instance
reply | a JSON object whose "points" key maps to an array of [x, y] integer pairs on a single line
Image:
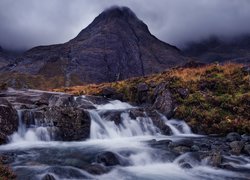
{"points": [[115, 46], [216, 49]]}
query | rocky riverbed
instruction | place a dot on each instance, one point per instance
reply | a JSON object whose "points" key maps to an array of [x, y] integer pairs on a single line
{"points": [[59, 136]]}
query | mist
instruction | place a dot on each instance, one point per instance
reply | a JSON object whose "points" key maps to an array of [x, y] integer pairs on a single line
{"points": [[29, 23]]}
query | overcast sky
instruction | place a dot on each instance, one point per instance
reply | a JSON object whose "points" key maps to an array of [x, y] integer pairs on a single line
{"points": [[28, 23]]}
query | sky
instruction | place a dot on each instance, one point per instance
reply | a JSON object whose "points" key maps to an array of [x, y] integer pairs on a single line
{"points": [[28, 23]]}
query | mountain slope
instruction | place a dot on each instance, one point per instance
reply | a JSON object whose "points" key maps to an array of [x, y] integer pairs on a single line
{"points": [[115, 46]]}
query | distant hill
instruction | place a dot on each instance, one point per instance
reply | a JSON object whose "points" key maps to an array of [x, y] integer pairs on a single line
{"points": [[214, 49]]}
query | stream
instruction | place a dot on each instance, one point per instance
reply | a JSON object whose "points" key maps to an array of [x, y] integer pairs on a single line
{"points": [[132, 149]]}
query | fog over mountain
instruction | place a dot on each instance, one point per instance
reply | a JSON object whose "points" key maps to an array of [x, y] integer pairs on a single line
{"points": [[29, 23]]}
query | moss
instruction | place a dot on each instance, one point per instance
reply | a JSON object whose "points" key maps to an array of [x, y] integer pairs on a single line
{"points": [[217, 101], [5, 172]]}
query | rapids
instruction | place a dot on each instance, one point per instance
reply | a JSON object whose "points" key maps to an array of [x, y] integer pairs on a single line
{"points": [[34, 154]]}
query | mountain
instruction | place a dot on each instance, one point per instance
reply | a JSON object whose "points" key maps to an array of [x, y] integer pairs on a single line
{"points": [[115, 46], [216, 49], [3, 58]]}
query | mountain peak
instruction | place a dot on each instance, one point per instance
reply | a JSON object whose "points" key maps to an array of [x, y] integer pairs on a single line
{"points": [[118, 12], [115, 17]]}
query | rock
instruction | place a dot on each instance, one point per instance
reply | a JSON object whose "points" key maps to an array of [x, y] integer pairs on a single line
{"points": [[62, 101], [247, 149], [142, 93], [215, 159], [48, 177], [95, 169], [83, 103], [8, 120], [183, 92], [245, 138], [112, 115], [182, 142], [108, 159], [181, 149], [108, 92], [195, 148], [142, 87], [233, 136], [236, 147], [164, 103], [158, 121], [72, 123], [186, 166]]}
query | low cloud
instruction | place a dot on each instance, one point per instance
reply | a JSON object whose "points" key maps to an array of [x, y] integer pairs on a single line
{"points": [[28, 23]]}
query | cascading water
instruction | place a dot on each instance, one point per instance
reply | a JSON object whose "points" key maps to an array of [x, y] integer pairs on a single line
{"points": [[35, 133], [107, 129], [128, 138]]}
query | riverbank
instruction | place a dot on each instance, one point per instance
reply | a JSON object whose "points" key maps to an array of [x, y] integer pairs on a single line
{"points": [[212, 99]]}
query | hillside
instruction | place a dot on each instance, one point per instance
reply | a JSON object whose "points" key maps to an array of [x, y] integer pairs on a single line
{"points": [[211, 99]]}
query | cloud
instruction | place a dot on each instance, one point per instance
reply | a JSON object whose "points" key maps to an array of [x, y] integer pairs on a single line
{"points": [[28, 23]]}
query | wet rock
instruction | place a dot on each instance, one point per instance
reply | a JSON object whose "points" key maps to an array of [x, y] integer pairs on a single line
{"points": [[158, 121], [182, 142], [112, 115], [181, 149], [8, 120], [236, 147], [28, 117], [84, 104], [233, 136], [186, 166], [62, 101], [188, 160], [195, 148], [215, 159], [247, 149], [108, 159], [48, 177], [138, 112], [162, 144], [72, 123], [245, 138], [96, 169]]}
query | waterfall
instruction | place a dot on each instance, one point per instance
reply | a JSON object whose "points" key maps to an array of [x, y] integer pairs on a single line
{"points": [[33, 133], [107, 129], [177, 127]]}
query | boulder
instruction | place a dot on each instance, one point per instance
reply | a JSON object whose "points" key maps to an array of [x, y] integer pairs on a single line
{"points": [[215, 159], [164, 103], [96, 169], [108, 159], [236, 147], [48, 177], [233, 136], [72, 123], [8, 120], [247, 149]]}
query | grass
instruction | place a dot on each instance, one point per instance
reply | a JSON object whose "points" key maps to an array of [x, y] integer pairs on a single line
{"points": [[217, 101]]}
